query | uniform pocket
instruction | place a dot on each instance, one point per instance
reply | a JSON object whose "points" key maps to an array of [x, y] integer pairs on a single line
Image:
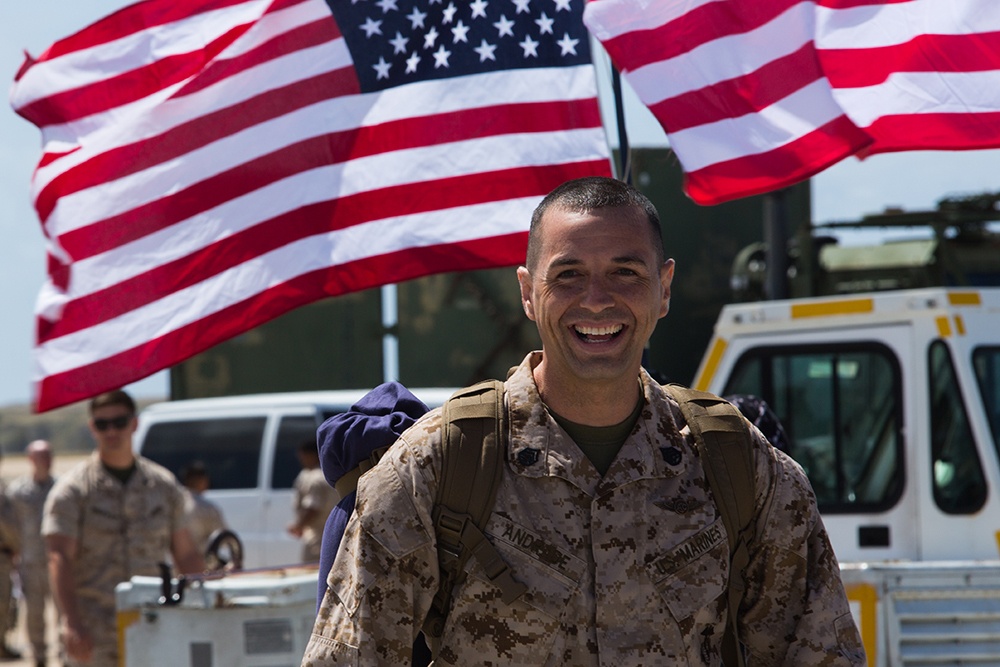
{"points": [[481, 627], [693, 574], [322, 651]]}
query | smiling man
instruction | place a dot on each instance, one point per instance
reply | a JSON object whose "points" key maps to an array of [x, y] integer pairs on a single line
{"points": [[603, 511]]}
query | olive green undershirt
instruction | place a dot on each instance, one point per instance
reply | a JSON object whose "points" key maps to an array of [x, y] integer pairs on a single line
{"points": [[600, 444], [121, 474]]}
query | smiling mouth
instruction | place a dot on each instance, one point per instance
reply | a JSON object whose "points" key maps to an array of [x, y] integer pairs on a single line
{"points": [[598, 334]]}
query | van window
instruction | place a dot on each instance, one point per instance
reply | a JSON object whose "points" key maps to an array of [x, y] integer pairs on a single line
{"points": [[959, 484], [292, 432], [229, 448], [841, 407], [986, 361]]}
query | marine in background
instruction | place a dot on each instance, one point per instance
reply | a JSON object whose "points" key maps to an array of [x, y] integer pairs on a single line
{"points": [[312, 501], [27, 494], [110, 518]]}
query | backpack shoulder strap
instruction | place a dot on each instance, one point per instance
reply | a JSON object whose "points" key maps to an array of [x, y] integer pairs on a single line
{"points": [[474, 423], [726, 449]]}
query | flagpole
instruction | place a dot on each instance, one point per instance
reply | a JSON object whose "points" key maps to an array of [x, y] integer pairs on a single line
{"points": [[776, 240], [390, 329], [624, 151]]}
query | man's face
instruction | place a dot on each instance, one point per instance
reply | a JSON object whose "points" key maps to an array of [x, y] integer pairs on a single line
{"points": [[596, 292], [112, 427], [41, 460]]}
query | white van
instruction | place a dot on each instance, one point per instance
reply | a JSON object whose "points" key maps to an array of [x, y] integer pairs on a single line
{"points": [[248, 445]]}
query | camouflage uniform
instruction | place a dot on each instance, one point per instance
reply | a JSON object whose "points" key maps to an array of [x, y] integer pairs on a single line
{"points": [[313, 492], [10, 544], [626, 570], [203, 517], [121, 530], [28, 499]]}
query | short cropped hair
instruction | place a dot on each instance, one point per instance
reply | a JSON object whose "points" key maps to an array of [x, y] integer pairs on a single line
{"points": [[587, 194], [116, 397], [194, 470]]}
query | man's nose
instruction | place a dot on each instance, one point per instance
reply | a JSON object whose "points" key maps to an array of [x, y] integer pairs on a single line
{"points": [[597, 296]]}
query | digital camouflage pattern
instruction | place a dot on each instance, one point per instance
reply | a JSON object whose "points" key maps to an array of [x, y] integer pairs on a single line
{"points": [[121, 530], [628, 569], [28, 498]]}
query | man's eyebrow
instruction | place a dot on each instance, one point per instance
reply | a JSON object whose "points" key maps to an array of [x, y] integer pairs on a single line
{"points": [[628, 259], [573, 261]]}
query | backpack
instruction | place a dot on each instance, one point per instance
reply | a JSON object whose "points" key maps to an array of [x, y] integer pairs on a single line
{"points": [[474, 423]]}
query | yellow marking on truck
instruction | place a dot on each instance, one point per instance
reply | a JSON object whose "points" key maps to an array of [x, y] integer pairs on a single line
{"points": [[827, 308], [959, 325], [711, 364], [964, 299], [866, 596], [943, 326], [996, 535], [125, 618]]}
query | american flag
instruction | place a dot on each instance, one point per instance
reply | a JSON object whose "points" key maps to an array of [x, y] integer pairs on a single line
{"points": [[759, 94], [212, 164]]}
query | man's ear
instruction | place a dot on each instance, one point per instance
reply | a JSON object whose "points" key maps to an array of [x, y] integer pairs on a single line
{"points": [[666, 279], [524, 280]]}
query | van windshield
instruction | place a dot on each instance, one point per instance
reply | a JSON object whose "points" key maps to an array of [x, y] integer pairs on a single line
{"points": [[229, 448]]}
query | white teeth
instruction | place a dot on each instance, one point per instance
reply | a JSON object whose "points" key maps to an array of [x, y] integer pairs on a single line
{"points": [[599, 331]]}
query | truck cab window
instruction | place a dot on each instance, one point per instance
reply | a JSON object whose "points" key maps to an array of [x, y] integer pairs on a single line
{"points": [[841, 409], [957, 474], [986, 361], [229, 448]]}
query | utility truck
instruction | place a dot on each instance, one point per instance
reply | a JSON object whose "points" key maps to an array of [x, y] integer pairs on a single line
{"points": [[891, 401], [892, 404]]}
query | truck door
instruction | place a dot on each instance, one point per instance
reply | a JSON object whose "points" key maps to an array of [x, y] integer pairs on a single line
{"points": [[842, 406]]}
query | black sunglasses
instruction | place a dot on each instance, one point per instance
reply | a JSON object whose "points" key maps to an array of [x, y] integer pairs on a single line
{"points": [[117, 422]]}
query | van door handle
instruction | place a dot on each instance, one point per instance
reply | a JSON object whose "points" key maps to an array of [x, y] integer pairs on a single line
{"points": [[873, 536]]}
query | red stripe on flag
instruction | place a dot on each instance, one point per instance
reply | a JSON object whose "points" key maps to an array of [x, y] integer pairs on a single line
{"points": [[936, 131], [125, 88], [301, 38], [855, 68], [85, 381], [850, 4], [789, 164], [736, 97], [133, 19], [689, 31]]}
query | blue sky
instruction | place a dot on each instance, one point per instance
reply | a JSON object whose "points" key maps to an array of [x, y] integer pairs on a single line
{"points": [[846, 191]]}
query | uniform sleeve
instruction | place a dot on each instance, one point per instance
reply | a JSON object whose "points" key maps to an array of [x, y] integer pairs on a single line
{"points": [[179, 517], [61, 515], [795, 610], [385, 574]]}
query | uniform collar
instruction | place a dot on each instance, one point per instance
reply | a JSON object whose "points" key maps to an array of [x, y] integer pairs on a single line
{"points": [[540, 448]]}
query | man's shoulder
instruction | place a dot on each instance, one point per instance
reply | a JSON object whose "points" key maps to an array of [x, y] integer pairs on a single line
{"points": [[156, 472], [78, 474]]}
